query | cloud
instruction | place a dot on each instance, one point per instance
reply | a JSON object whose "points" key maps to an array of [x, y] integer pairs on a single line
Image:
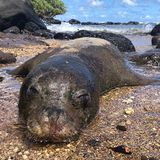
{"points": [[130, 2], [103, 16], [81, 8], [96, 2], [148, 17], [122, 14]]}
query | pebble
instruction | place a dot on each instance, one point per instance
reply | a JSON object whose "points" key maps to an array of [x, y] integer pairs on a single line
{"points": [[129, 111], [26, 153], [25, 157], [16, 149], [127, 101], [57, 149], [121, 126], [1, 79], [94, 143], [144, 158], [122, 149], [128, 122]]}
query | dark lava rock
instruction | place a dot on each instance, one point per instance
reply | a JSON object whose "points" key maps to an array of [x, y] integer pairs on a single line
{"points": [[63, 36], [155, 40], [31, 26], [13, 29], [6, 58], [122, 149], [150, 57], [49, 20], [145, 158], [156, 30], [74, 21], [17, 13], [122, 43], [121, 127], [158, 45], [91, 23], [132, 23], [1, 79], [94, 143], [44, 33], [152, 158]]}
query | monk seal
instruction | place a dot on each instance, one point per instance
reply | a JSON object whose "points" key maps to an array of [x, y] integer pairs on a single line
{"points": [[60, 94]]}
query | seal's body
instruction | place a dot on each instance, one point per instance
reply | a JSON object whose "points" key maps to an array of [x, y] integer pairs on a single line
{"points": [[60, 94]]}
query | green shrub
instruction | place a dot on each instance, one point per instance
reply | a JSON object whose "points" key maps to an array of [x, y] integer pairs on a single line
{"points": [[48, 8]]}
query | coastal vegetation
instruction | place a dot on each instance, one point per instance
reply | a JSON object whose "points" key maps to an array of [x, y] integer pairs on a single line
{"points": [[48, 8]]}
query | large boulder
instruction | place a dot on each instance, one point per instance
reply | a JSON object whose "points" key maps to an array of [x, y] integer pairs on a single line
{"points": [[122, 43], [13, 29], [155, 40], [18, 13], [6, 58], [150, 57], [156, 30], [51, 20], [63, 36]]}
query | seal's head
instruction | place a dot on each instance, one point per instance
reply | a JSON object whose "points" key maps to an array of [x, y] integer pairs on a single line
{"points": [[58, 99]]}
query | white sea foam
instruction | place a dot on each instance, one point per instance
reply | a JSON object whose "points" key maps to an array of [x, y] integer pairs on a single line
{"points": [[121, 29]]}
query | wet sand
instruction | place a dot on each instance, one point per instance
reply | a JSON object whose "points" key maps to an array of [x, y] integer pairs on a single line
{"points": [[128, 116]]}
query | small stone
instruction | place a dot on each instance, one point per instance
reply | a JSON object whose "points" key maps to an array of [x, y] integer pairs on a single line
{"points": [[1, 79], [121, 126], [152, 158], [129, 111], [128, 122], [127, 101], [25, 157], [122, 149], [57, 149], [144, 157], [16, 149], [20, 153], [26, 153], [94, 143]]}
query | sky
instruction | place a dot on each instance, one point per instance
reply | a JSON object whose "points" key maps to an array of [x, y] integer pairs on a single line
{"points": [[112, 10]]}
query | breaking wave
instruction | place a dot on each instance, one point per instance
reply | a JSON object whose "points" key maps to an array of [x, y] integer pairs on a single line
{"points": [[142, 28]]}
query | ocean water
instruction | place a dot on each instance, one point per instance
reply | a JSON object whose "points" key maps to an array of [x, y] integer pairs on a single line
{"points": [[142, 28]]}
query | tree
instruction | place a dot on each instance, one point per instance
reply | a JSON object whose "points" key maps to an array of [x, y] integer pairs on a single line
{"points": [[48, 8]]}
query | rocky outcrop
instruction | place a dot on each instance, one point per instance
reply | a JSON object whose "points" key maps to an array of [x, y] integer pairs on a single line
{"points": [[150, 57], [18, 13], [156, 30], [74, 21], [13, 29], [44, 33], [123, 43], [49, 20], [155, 40], [63, 36], [6, 58]]}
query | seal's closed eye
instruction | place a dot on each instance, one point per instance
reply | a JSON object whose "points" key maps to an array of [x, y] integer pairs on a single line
{"points": [[32, 91], [82, 98]]}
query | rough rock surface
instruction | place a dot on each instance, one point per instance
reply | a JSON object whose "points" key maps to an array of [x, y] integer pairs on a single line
{"points": [[17, 13], [156, 30], [120, 41], [6, 58]]}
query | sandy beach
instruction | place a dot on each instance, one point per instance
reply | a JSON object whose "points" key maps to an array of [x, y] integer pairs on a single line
{"points": [[141, 136]]}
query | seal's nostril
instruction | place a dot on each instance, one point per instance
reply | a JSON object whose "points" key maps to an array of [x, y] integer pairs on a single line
{"points": [[54, 112]]}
